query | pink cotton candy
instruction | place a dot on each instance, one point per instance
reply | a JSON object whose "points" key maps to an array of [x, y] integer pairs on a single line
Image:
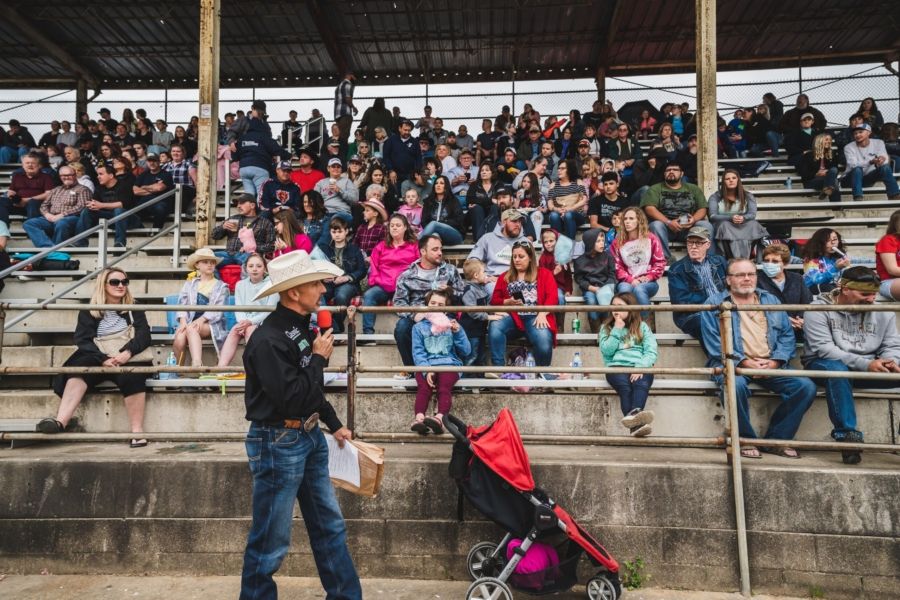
{"points": [[248, 241]]}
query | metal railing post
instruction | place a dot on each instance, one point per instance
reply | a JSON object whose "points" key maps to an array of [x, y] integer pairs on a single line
{"points": [[2, 328], [101, 244], [734, 443], [351, 368], [176, 238]]}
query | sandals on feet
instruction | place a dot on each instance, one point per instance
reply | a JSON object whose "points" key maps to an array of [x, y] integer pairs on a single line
{"points": [[50, 425], [419, 427], [782, 452], [750, 452], [138, 443], [435, 425]]}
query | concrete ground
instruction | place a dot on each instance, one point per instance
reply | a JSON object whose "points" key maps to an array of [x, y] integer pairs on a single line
{"points": [[103, 587]]}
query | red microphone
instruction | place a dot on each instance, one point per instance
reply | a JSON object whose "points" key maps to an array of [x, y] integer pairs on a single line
{"points": [[323, 319]]}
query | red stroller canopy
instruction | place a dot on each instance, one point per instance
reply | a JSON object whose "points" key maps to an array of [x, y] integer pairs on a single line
{"points": [[499, 446]]}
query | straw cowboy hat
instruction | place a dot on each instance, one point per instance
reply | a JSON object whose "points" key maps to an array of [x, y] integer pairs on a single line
{"points": [[296, 268], [201, 254], [377, 206]]}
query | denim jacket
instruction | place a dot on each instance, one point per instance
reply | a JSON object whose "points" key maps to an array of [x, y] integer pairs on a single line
{"points": [[685, 286]]}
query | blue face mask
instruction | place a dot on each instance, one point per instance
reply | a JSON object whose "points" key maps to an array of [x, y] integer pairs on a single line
{"points": [[771, 269]]}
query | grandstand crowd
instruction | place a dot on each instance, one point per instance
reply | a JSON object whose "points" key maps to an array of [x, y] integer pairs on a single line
{"points": [[558, 208]]}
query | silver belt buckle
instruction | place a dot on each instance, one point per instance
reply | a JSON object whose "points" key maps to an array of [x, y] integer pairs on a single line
{"points": [[311, 422]]}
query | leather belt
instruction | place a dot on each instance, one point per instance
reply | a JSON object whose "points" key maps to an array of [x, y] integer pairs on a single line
{"points": [[306, 424]]}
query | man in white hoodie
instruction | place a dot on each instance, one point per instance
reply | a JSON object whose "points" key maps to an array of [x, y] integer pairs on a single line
{"points": [[868, 162], [851, 341]]}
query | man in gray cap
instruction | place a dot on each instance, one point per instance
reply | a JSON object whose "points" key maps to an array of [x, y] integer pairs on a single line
{"points": [[494, 248], [694, 278]]}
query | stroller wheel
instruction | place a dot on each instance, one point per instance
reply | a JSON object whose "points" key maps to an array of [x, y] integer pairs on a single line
{"points": [[601, 587], [489, 588], [481, 561]]}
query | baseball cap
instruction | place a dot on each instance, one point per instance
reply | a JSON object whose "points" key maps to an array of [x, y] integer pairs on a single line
{"points": [[355, 158], [336, 161], [153, 157], [103, 110], [511, 214], [335, 143], [502, 191], [698, 232], [285, 165], [807, 116], [307, 151], [864, 126], [584, 142], [241, 198]]}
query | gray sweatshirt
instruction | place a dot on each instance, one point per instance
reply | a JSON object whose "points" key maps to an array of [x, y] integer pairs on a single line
{"points": [[346, 195], [855, 339], [495, 250]]}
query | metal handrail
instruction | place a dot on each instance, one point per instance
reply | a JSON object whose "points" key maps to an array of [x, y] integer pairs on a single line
{"points": [[307, 125]]}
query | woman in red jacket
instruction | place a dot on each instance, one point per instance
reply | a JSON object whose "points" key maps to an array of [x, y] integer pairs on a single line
{"points": [[525, 284]]}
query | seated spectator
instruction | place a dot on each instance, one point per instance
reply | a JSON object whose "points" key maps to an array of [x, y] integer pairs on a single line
{"points": [[640, 260], [626, 341], [851, 341], [887, 259], [289, 235], [82, 177], [787, 286], [486, 143], [871, 115], [732, 210], [464, 140], [674, 208], [799, 140], [338, 192], [819, 169], [524, 284], [624, 149], [668, 141], [184, 172], [462, 176], [376, 175], [736, 127], [16, 144], [442, 215], [428, 273], [412, 210], [111, 199], [595, 274], [280, 193], [494, 249], [687, 158], [695, 278], [761, 340], [236, 251], [28, 188], [418, 181], [529, 200], [355, 171], [792, 120], [202, 290], [59, 212], [312, 217], [372, 231], [306, 176], [868, 162], [761, 133], [255, 150], [567, 201], [562, 273], [153, 182], [245, 293], [824, 257], [478, 197], [510, 166], [604, 205], [346, 256], [129, 331], [436, 341], [390, 257], [646, 125], [443, 155], [162, 139], [475, 324], [530, 147]]}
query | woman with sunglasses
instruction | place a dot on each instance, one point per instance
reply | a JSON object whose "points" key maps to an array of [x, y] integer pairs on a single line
{"points": [[111, 288], [524, 284]]}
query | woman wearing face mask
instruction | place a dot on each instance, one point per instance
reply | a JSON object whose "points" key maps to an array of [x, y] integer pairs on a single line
{"points": [[787, 286]]}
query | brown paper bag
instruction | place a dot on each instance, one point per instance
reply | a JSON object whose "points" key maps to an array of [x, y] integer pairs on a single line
{"points": [[371, 470]]}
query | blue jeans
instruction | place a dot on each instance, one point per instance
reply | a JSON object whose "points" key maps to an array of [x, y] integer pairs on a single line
{"points": [[231, 258], [632, 394], [691, 325], [159, 212], [659, 229], [601, 297], [829, 180], [476, 356], [12, 155], [89, 218], [374, 296], [476, 216], [797, 395], [568, 224], [31, 209], [289, 465], [882, 173], [449, 236], [253, 178], [541, 340], [40, 229], [403, 338], [839, 395], [642, 291]]}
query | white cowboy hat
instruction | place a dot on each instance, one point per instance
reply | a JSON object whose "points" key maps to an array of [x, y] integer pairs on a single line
{"points": [[201, 254], [296, 268]]}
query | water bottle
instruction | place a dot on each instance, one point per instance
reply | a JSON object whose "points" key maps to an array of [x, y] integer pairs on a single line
{"points": [[576, 325], [529, 362], [576, 364], [170, 362], [789, 184]]}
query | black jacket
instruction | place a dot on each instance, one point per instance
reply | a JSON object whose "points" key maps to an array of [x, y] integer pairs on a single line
{"points": [[594, 269], [86, 331], [256, 148], [795, 291], [284, 378], [450, 212]]}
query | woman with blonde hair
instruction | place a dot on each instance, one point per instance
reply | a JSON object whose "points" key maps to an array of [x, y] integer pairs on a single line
{"points": [[640, 260], [819, 168], [108, 338]]}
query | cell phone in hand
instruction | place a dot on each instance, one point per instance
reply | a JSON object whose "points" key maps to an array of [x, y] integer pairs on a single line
{"points": [[518, 296]]}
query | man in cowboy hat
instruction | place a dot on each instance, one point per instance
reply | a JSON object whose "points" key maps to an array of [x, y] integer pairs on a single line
{"points": [[287, 450]]}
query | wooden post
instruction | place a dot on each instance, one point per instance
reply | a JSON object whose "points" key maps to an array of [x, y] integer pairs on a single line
{"points": [[600, 77], [81, 101], [706, 96], [207, 145]]}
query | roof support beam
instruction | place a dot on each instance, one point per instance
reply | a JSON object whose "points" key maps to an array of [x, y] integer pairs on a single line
{"points": [[603, 58], [329, 38], [56, 51]]}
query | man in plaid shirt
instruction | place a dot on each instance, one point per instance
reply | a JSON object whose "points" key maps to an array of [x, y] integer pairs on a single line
{"points": [[263, 232], [59, 212]]}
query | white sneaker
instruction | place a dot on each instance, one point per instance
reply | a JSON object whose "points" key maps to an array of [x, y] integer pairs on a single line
{"points": [[404, 377], [637, 418]]}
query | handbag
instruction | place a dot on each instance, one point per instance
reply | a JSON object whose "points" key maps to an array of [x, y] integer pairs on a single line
{"points": [[112, 344]]}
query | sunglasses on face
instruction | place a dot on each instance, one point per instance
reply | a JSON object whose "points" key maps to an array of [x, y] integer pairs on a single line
{"points": [[117, 282]]}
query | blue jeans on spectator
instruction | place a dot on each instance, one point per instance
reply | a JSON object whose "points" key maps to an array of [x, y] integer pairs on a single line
{"points": [[659, 229], [476, 356], [342, 295], [773, 141], [839, 395], [796, 393], [403, 337], [253, 178], [883, 173], [159, 212], [290, 465], [632, 394], [476, 217], [40, 229], [829, 180], [449, 236], [541, 340], [642, 291], [601, 297], [31, 209], [231, 258], [374, 296], [567, 224], [89, 218], [12, 155], [325, 236], [691, 325]]}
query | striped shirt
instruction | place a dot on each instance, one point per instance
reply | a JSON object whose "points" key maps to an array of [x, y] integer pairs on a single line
{"points": [[112, 322]]}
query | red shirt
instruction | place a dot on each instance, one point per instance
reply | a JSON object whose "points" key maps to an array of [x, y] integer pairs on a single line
{"points": [[887, 244], [306, 181], [27, 187]]}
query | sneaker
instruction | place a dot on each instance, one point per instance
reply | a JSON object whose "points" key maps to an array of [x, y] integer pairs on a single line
{"points": [[641, 431], [857, 198], [637, 418], [852, 457], [826, 192], [401, 387], [491, 375], [894, 197]]}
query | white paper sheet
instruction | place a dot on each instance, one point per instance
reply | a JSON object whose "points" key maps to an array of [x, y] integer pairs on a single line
{"points": [[343, 463]]}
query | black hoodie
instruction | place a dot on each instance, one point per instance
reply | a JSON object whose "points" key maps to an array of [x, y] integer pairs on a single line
{"points": [[592, 268]]}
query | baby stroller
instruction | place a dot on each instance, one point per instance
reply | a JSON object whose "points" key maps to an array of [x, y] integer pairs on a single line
{"points": [[491, 468]]}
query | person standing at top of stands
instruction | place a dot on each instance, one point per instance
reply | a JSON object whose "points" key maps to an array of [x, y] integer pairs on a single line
{"points": [[402, 155], [851, 341], [868, 162], [674, 208], [287, 451], [344, 109], [307, 175], [256, 150], [695, 278], [798, 141], [376, 115], [792, 119], [28, 187]]}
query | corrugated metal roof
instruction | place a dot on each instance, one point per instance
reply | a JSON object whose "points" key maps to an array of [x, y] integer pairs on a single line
{"points": [[129, 44]]}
